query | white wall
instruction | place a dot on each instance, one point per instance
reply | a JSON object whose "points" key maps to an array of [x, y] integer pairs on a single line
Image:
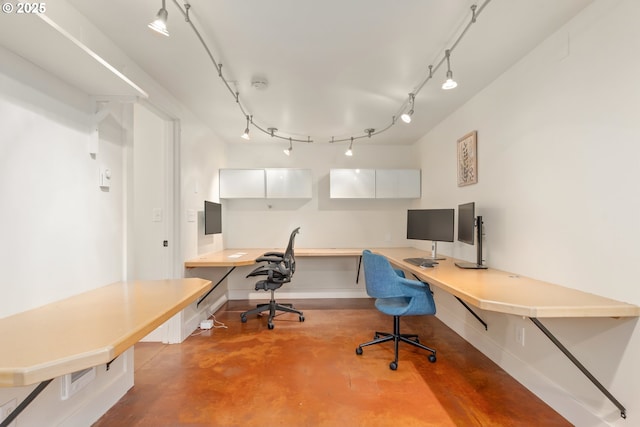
{"points": [[323, 222], [61, 233], [558, 144]]}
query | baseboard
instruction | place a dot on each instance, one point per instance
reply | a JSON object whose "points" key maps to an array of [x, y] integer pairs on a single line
{"points": [[243, 294]]}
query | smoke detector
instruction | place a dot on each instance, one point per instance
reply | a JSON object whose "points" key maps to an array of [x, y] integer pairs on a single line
{"points": [[259, 83]]}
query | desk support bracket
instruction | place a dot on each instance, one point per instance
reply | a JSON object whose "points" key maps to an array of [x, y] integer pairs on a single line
{"points": [[623, 411], [486, 327], [359, 264], [23, 405], [215, 286]]}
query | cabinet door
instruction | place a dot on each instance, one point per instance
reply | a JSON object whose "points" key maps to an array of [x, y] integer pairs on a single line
{"points": [[352, 183], [289, 183], [242, 183], [398, 184]]}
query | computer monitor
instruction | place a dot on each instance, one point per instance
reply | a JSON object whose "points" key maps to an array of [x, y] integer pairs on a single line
{"points": [[436, 225], [212, 218], [467, 224]]}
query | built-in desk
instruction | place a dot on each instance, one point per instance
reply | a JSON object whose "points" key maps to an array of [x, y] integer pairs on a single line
{"points": [[490, 289], [503, 292], [241, 257], [86, 330], [509, 293]]}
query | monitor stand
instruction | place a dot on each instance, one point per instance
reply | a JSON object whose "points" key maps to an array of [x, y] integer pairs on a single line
{"points": [[478, 264], [434, 252], [471, 265]]}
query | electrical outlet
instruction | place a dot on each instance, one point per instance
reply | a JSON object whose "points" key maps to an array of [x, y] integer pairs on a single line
{"points": [[6, 409], [520, 335]]}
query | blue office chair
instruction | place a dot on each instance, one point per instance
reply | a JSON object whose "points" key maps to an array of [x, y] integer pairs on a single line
{"points": [[396, 296]]}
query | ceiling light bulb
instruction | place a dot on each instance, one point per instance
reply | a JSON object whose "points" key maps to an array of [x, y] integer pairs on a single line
{"points": [[160, 23], [406, 117], [245, 135], [288, 151], [449, 83], [349, 151]]}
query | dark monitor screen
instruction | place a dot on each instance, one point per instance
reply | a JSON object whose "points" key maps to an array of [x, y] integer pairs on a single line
{"points": [[212, 218], [430, 224], [466, 222]]}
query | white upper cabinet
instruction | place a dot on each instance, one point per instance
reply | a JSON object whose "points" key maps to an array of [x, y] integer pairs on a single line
{"points": [[289, 183], [242, 183], [398, 184], [352, 183], [275, 183], [375, 184]]}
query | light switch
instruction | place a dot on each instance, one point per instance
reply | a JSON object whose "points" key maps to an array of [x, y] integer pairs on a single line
{"points": [[104, 178]]}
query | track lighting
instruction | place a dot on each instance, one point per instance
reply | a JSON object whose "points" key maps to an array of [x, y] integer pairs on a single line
{"points": [[245, 135], [406, 116], [449, 83], [160, 23], [349, 151], [288, 151]]}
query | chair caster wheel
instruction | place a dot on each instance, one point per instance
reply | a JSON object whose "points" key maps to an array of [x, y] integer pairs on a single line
{"points": [[376, 336], [243, 318], [432, 358], [358, 351], [301, 318], [393, 366], [270, 325]]}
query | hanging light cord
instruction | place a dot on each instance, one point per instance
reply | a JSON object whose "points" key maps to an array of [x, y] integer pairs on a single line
{"points": [[475, 12]]}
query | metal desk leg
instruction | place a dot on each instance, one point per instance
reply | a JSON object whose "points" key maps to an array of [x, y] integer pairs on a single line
{"points": [[623, 411], [215, 286], [23, 405], [486, 328]]}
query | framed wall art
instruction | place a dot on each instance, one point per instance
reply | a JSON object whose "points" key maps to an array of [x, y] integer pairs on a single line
{"points": [[468, 159]]}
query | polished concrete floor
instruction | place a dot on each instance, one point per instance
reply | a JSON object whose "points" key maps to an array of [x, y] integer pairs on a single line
{"points": [[308, 374]]}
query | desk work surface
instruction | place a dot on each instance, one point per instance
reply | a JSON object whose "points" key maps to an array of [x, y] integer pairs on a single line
{"points": [[500, 291], [244, 256], [88, 329]]}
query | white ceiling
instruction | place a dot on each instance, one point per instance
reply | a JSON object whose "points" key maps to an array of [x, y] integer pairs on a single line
{"points": [[334, 67]]}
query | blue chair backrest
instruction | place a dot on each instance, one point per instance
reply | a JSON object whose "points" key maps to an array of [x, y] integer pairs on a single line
{"points": [[380, 277]]}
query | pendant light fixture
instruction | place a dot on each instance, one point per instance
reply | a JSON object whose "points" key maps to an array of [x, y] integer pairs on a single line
{"points": [[406, 116], [349, 151], [245, 135], [288, 151], [160, 23], [449, 83]]}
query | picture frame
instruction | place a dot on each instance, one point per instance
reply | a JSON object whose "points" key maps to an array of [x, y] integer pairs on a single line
{"points": [[468, 159]]}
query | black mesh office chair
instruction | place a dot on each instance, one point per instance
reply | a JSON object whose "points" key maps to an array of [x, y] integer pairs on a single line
{"points": [[279, 269]]}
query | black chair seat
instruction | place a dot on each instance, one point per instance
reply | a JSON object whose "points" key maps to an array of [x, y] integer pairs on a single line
{"points": [[278, 270]]}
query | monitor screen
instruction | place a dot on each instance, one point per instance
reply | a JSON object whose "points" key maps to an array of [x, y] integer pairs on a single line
{"points": [[430, 224], [212, 218], [466, 222]]}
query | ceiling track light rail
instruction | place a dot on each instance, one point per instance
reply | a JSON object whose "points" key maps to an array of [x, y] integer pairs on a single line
{"points": [[405, 110]]}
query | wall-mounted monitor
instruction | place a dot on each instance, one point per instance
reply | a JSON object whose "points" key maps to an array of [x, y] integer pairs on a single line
{"points": [[466, 222], [212, 218], [435, 225]]}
